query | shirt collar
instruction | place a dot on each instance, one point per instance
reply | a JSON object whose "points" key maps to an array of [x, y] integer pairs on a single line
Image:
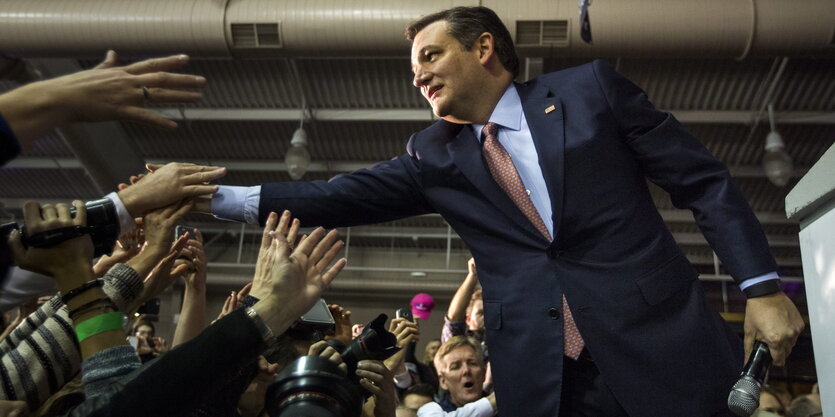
{"points": [[507, 113]]}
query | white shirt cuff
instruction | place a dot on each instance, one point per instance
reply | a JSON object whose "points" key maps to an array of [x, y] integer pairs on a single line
{"points": [[126, 222], [758, 279], [239, 204]]}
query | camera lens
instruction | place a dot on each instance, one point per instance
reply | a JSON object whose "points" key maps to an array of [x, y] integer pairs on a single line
{"points": [[313, 386]]}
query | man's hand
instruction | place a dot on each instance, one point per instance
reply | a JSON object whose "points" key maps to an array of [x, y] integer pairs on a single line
{"points": [[379, 381], [167, 184], [773, 319], [233, 301], [196, 276], [321, 348], [342, 318], [406, 332], [106, 92], [262, 281], [163, 275], [67, 256], [471, 271], [299, 277], [124, 250], [115, 93]]}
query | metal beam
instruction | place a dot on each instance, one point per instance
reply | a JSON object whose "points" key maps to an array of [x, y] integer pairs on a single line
{"points": [[425, 114]]}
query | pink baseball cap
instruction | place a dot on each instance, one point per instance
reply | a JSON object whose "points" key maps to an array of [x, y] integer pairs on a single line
{"points": [[422, 305]]}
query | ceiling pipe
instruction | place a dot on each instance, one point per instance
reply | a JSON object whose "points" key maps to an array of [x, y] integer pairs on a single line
{"points": [[281, 28]]}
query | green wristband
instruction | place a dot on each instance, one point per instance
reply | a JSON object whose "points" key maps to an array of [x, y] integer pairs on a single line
{"points": [[99, 324]]}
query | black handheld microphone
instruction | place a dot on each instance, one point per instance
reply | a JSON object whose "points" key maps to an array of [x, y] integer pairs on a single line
{"points": [[745, 395]]}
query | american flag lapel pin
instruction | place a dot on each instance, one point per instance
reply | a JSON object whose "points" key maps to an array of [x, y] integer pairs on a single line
{"points": [[549, 109]]}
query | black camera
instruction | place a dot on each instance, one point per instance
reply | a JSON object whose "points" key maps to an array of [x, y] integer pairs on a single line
{"points": [[315, 387], [315, 324], [102, 226]]}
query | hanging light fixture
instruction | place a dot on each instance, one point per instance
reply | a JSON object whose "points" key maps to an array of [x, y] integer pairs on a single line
{"points": [[297, 158], [777, 163]]}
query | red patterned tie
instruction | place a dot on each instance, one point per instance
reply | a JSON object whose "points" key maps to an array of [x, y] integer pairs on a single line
{"points": [[504, 172]]}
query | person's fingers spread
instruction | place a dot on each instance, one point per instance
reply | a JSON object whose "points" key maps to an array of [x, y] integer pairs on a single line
{"points": [[167, 63], [328, 276], [293, 232], [323, 246], [283, 223], [308, 244], [269, 226], [330, 255], [280, 248]]}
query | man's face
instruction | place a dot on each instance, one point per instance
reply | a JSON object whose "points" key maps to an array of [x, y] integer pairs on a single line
{"points": [[475, 320], [144, 331], [432, 348], [448, 76], [463, 375]]}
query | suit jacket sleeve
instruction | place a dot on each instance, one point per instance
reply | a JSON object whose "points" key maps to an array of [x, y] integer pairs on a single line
{"points": [[677, 162], [390, 190]]}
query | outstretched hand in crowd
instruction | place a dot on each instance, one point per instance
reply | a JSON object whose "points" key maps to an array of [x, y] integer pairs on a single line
{"points": [[298, 276], [106, 92]]}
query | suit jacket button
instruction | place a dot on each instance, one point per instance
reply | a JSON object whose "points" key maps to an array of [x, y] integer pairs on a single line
{"points": [[554, 313]]}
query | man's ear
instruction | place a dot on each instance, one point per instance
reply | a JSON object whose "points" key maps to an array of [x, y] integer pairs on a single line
{"points": [[442, 381], [485, 45]]}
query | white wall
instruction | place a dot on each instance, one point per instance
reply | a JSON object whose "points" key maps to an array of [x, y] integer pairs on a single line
{"points": [[817, 245]]}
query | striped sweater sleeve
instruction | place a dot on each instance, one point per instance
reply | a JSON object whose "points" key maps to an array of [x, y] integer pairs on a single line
{"points": [[42, 354]]}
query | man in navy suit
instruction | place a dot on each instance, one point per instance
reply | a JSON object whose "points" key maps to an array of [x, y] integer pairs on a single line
{"points": [[583, 142]]}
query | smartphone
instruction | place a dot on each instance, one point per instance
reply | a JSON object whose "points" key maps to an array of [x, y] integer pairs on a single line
{"points": [[181, 230], [406, 313]]}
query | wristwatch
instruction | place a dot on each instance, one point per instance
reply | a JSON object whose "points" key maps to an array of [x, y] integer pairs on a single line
{"points": [[266, 333]]}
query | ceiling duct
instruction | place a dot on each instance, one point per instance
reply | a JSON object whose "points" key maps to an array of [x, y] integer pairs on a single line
{"points": [[270, 28]]}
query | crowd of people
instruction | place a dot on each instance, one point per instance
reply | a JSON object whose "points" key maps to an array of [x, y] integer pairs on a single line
{"points": [[72, 355]]}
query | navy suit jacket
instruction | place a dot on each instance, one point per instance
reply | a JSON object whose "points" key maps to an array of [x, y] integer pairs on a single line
{"points": [[659, 345]]}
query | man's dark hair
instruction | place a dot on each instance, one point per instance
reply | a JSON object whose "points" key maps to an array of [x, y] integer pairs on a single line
{"points": [[466, 24]]}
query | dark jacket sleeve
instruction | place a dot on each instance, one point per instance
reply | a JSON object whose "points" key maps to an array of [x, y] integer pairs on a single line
{"points": [[676, 161], [388, 191], [179, 380], [9, 146]]}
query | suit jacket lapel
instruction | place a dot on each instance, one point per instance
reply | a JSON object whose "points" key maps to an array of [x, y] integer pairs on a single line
{"points": [[465, 150], [548, 134]]}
